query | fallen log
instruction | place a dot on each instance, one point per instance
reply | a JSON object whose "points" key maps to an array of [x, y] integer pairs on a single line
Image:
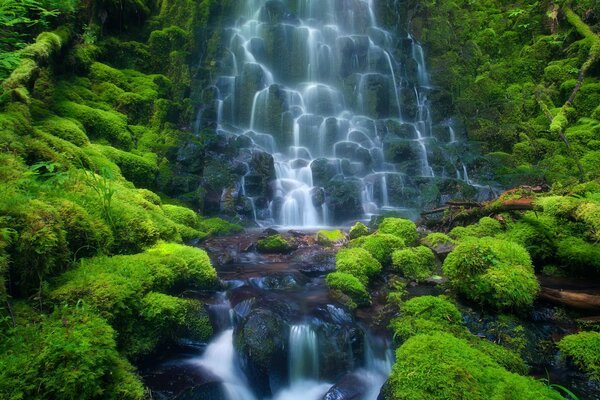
{"points": [[572, 299]]}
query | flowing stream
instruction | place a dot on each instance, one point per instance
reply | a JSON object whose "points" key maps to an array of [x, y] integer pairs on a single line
{"points": [[318, 85], [278, 335]]}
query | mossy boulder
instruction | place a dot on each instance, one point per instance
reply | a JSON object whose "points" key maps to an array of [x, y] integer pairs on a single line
{"points": [[329, 238], [348, 290], [485, 227], [416, 263], [359, 263], [583, 349], [440, 243], [357, 230], [275, 244], [492, 272], [402, 228], [69, 354], [380, 245], [442, 366]]}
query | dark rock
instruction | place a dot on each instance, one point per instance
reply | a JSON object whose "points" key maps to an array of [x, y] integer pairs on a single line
{"points": [[350, 387], [270, 232], [207, 391], [261, 340]]}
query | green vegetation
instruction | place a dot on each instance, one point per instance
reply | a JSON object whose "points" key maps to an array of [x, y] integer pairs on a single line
{"points": [[359, 263], [441, 366], [275, 244], [329, 238], [403, 228], [348, 289], [380, 245], [437, 239], [357, 230], [416, 263], [493, 273], [583, 349]]}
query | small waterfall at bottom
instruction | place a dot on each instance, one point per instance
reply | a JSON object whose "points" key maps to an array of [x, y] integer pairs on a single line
{"points": [[220, 359], [304, 357]]}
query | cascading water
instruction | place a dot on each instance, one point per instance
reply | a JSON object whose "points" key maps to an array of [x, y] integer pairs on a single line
{"points": [[340, 104], [304, 359]]}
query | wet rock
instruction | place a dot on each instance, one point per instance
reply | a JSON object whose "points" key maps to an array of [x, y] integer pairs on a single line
{"points": [[344, 198], [207, 391], [270, 232], [341, 342], [261, 340], [317, 195], [350, 387]]}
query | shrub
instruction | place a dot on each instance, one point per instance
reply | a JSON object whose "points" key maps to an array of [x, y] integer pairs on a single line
{"points": [[492, 272], [358, 229], [69, 355], [402, 228], [441, 366], [328, 238], [358, 263], [349, 286], [275, 244], [584, 350], [416, 263], [380, 245]]}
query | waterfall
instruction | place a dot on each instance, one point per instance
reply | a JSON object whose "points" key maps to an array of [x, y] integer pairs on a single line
{"points": [[220, 359], [313, 82], [303, 357]]}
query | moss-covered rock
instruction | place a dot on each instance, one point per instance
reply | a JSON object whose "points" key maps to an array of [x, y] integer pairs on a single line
{"points": [[577, 254], [69, 354], [416, 263], [583, 349], [275, 244], [485, 227], [357, 230], [402, 228], [380, 245], [359, 263], [492, 272], [329, 238], [352, 290], [441, 366]]}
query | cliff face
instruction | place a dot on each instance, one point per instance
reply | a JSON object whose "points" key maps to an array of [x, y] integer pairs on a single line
{"points": [[522, 77]]}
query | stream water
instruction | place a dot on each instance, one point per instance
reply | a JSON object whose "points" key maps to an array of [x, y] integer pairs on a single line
{"points": [[278, 334], [340, 104]]}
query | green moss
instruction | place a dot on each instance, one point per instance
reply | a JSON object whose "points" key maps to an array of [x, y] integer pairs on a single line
{"points": [[173, 318], [69, 355], [349, 286], [358, 229], [357, 262], [380, 245], [402, 228], [101, 125], [219, 227], [67, 129], [485, 227], [117, 287], [426, 314], [536, 232], [329, 238], [437, 239], [441, 366], [584, 350], [139, 170], [275, 244], [578, 254], [416, 263], [492, 272]]}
